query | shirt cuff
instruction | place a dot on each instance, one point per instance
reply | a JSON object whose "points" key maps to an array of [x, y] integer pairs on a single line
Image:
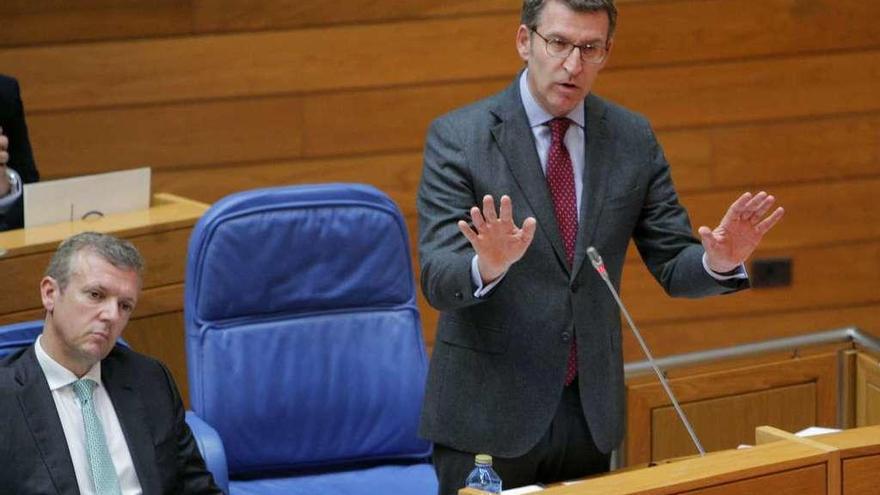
{"points": [[737, 273], [14, 191], [477, 280]]}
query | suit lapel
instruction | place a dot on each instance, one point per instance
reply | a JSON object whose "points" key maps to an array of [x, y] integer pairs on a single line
{"points": [[517, 144], [595, 178], [41, 415], [134, 420]]}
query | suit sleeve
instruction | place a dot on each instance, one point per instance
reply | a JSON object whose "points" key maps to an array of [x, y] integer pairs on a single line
{"points": [[21, 157], [445, 196], [665, 240], [194, 476]]}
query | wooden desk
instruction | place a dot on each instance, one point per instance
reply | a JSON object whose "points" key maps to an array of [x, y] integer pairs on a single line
{"points": [[845, 463], [160, 232], [858, 451]]}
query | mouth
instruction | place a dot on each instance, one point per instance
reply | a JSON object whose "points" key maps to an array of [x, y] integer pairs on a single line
{"points": [[567, 87], [104, 336]]}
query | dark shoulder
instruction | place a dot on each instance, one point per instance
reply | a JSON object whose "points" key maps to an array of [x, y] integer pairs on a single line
{"points": [[615, 115], [126, 360], [8, 88]]}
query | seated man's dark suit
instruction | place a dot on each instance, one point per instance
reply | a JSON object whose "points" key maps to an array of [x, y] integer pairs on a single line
{"points": [[34, 457], [21, 158]]}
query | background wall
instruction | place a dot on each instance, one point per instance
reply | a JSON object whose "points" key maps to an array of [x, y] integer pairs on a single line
{"points": [[226, 95]]}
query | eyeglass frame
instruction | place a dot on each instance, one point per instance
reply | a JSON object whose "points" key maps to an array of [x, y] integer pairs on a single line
{"points": [[571, 46]]}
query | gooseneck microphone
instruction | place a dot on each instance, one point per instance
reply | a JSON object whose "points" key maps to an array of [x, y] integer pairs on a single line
{"points": [[599, 265]]}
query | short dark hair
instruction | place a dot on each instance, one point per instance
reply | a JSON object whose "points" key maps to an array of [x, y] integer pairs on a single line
{"points": [[531, 11], [118, 252]]}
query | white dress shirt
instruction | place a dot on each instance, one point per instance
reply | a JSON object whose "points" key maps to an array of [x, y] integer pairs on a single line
{"points": [[60, 383]]}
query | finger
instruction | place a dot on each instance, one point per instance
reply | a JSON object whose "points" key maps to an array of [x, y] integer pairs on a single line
{"points": [[735, 210], [528, 230], [770, 221], [489, 209], [754, 203], [477, 219], [467, 231], [506, 209], [763, 208], [739, 205], [707, 237]]}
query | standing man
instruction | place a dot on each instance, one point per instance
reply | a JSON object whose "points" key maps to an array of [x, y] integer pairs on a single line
{"points": [[17, 165], [527, 364], [79, 414]]}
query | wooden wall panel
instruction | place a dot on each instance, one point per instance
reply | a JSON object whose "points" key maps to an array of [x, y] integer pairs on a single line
{"points": [[791, 408], [745, 91], [738, 383], [238, 15], [808, 480], [860, 475], [176, 136], [161, 336], [663, 32], [251, 64], [818, 283], [236, 65], [867, 390], [27, 22]]}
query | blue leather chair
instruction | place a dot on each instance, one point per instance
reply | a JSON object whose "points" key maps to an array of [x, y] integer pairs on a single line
{"points": [[304, 344], [16, 336]]}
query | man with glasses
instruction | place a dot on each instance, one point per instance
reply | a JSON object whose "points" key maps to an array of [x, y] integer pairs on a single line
{"points": [[527, 364]]}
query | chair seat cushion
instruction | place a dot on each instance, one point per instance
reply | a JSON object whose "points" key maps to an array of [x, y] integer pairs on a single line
{"points": [[415, 479]]}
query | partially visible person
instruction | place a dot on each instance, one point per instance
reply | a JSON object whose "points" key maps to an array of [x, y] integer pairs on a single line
{"points": [[17, 165], [79, 414]]}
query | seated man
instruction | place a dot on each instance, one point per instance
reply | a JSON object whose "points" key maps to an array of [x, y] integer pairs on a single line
{"points": [[16, 159], [79, 414]]}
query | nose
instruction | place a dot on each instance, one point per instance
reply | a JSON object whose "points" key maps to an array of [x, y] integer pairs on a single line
{"points": [[573, 63], [110, 310]]}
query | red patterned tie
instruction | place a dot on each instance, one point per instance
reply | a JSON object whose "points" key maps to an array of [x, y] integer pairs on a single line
{"points": [[560, 179]]}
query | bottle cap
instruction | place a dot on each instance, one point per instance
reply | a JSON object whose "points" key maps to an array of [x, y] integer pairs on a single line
{"points": [[484, 459]]}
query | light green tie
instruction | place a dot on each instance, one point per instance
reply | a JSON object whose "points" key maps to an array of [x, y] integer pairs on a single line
{"points": [[103, 472]]}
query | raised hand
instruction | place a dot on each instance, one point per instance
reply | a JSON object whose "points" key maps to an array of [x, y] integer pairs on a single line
{"points": [[499, 243], [742, 228]]}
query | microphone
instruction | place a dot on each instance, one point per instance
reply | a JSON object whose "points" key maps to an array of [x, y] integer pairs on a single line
{"points": [[599, 265]]}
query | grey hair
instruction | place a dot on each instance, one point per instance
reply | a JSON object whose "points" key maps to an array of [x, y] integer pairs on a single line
{"points": [[118, 252], [531, 11]]}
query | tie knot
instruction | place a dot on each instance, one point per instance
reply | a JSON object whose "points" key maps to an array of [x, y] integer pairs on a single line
{"points": [[558, 127], [83, 389]]}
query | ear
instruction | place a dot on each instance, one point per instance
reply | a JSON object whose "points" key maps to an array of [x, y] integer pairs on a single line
{"points": [[49, 291], [523, 42]]}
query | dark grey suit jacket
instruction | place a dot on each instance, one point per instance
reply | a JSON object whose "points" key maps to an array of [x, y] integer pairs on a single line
{"points": [[498, 365], [34, 458]]}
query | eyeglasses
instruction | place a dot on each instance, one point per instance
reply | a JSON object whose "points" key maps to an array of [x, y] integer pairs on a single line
{"points": [[590, 53]]}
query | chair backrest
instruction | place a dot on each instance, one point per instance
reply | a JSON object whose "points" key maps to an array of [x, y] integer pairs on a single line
{"points": [[303, 339], [16, 336]]}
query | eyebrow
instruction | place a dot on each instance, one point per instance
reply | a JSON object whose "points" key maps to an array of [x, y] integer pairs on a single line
{"points": [[592, 41]]}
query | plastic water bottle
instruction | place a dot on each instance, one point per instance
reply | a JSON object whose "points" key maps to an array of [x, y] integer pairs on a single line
{"points": [[483, 477]]}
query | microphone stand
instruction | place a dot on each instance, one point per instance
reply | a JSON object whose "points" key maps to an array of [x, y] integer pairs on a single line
{"points": [[599, 265]]}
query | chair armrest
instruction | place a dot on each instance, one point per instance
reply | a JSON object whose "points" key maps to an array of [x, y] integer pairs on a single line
{"points": [[211, 447]]}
